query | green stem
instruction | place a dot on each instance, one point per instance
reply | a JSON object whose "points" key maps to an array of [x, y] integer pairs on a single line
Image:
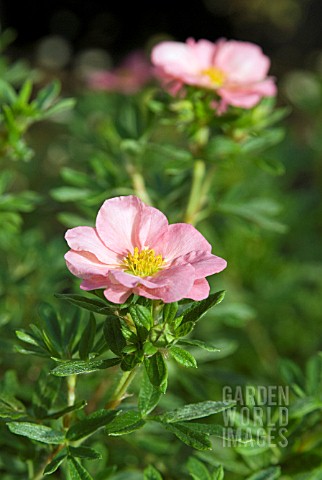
{"points": [[120, 390], [71, 386], [201, 183], [138, 183]]}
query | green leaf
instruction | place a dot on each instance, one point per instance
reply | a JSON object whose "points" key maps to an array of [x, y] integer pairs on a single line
{"points": [[197, 469], [47, 95], [125, 423], [142, 316], [55, 463], [70, 194], [200, 344], [149, 395], [199, 309], [112, 330], [41, 433], [150, 473], [90, 424], [11, 408], [189, 436], [271, 165], [85, 452], [156, 369], [219, 473], [131, 360], [92, 304], [49, 315], [184, 329], [87, 339], [77, 471], [183, 357], [28, 338], [64, 411], [77, 367], [143, 320], [194, 410], [271, 473], [169, 312]]}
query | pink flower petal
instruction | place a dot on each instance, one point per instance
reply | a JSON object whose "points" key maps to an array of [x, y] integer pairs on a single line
{"points": [[117, 223], [117, 293], [243, 62], [84, 264], [204, 263], [86, 239], [174, 284], [181, 238], [200, 290], [152, 224], [94, 282]]}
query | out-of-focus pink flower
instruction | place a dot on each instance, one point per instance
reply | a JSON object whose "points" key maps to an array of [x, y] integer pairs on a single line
{"points": [[133, 249], [129, 77], [236, 71]]}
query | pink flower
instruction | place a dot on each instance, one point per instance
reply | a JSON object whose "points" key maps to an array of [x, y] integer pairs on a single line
{"points": [[133, 249], [131, 75], [236, 71]]}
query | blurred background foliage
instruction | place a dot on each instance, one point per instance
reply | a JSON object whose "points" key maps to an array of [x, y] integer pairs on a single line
{"points": [[264, 212]]}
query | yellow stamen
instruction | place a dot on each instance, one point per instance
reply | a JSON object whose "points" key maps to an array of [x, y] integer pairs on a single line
{"points": [[142, 263], [216, 76]]}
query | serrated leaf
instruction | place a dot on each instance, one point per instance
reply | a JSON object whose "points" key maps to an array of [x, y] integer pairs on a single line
{"points": [[78, 367], [55, 463], [149, 395], [156, 369], [188, 436], [87, 339], [41, 433], [85, 452], [77, 471], [194, 410], [150, 473], [200, 344], [199, 309], [197, 469], [112, 330], [183, 357], [90, 424], [125, 423]]}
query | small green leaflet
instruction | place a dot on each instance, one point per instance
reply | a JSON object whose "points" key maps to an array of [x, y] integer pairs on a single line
{"points": [[41, 433], [194, 411], [124, 423], [199, 309], [156, 369], [89, 425], [150, 473], [55, 463], [77, 367], [183, 357], [271, 473], [85, 452], [189, 436], [198, 470], [77, 471]]}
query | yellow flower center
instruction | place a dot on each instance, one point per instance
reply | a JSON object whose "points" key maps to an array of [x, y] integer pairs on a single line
{"points": [[216, 76], [142, 263]]}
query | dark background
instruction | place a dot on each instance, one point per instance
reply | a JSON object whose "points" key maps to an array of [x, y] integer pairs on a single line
{"points": [[289, 31]]}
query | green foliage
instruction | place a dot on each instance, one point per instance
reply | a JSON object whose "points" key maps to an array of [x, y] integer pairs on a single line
{"points": [[101, 390]]}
